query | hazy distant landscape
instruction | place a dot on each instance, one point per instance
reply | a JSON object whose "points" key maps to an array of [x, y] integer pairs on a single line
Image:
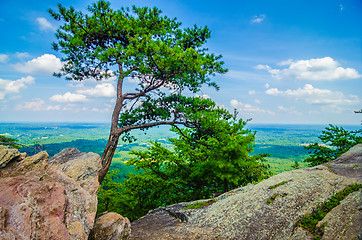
{"points": [[283, 142]]}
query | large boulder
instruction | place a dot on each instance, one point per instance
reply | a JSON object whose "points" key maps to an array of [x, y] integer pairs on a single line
{"points": [[271, 209], [48, 199], [111, 226]]}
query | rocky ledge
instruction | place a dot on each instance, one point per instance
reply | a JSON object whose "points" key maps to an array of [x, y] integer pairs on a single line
{"points": [[271, 209], [45, 198]]}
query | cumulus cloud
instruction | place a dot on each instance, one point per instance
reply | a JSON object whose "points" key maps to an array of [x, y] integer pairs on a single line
{"points": [[313, 69], [45, 64], [9, 87], [247, 107], [266, 85], [37, 104], [258, 18], [44, 24], [68, 98], [252, 92], [312, 95], [3, 58], [100, 90]]}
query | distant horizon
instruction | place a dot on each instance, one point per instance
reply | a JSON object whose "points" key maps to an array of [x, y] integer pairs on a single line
{"points": [[248, 124]]}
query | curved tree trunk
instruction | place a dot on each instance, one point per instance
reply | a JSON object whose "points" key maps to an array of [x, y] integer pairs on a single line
{"points": [[108, 155], [114, 132]]}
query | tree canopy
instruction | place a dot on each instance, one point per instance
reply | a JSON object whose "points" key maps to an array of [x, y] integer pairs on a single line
{"points": [[166, 60]]}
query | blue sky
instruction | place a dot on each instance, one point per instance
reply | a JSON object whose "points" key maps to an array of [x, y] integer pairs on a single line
{"points": [[297, 62]]}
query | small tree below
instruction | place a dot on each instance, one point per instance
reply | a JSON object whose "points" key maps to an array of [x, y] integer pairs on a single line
{"points": [[214, 156]]}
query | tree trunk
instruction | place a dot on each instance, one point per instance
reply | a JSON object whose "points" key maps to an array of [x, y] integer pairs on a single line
{"points": [[108, 154], [114, 132]]}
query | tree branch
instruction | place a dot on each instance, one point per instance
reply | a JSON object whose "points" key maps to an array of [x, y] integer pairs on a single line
{"points": [[146, 125], [191, 139]]}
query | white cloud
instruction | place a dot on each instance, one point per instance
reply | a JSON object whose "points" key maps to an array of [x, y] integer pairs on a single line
{"points": [[103, 110], [258, 19], [100, 90], [44, 24], [37, 104], [204, 96], [252, 92], [68, 97], [22, 55], [45, 64], [247, 107], [74, 108], [313, 69], [266, 85], [9, 87], [312, 95], [289, 110], [3, 58]]}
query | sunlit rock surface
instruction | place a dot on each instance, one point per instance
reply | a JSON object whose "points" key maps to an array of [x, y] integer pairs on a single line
{"points": [[111, 226], [48, 199]]}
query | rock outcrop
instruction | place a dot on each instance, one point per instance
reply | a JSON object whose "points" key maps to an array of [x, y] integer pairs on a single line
{"points": [[111, 226], [271, 209], [48, 199]]}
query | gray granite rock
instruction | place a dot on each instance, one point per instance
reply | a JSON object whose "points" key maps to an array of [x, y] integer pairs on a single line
{"points": [[246, 212]]}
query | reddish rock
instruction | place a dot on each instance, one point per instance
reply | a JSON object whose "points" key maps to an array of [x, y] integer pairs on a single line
{"points": [[43, 200]]}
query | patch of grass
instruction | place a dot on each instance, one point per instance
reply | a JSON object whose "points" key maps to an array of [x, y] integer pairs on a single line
{"points": [[273, 197], [277, 185], [310, 222], [199, 205], [355, 166], [317, 237]]}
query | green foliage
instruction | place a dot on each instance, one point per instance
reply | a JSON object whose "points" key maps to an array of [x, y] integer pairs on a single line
{"points": [[336, 141], [212, 155], [198, 205], [296, 165], [108, 193], [310, 222], [277, 185], [139, 43], [140, 38], [10, 142], [274, 196]]}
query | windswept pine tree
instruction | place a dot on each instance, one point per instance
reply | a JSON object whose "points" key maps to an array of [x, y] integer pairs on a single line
{"points": [[140, 43]]}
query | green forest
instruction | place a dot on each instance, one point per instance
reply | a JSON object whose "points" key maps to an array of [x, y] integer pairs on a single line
{"points": [[130, 189]]}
